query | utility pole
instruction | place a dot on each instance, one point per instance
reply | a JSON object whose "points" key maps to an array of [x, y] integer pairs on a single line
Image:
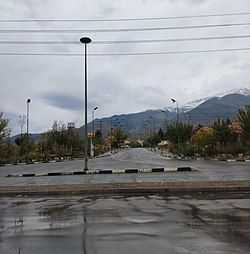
{"points": [[85, 41], [178, 124], [111, 129], [27, 138], [101, 126]]}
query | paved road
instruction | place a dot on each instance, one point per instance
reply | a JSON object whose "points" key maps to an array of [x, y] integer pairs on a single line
{"points": [[129, 158], [125, 224]]}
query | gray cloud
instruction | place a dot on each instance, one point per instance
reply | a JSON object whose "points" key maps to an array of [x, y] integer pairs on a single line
{"points": [[117, 84], [62, 101]]}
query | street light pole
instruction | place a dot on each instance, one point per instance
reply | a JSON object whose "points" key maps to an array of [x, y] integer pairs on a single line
{"points": [[153, 123], [150, 129], [85, 41], [93, 120], [166, 120], [177, 109], [92, 148], [27, 138], [177, 112], [111, 128]]}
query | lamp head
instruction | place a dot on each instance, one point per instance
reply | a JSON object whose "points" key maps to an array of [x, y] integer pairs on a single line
{"points": [[85, 40], [173, 100], [28, 100], [95, 108]]}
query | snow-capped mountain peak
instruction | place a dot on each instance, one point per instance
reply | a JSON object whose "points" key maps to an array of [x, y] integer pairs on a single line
{"points": [[192, 104]]}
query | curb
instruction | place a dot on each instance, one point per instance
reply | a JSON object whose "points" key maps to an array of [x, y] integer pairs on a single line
{"points": [[204, 159], [51, 161], [108, 171], [165, 188]]}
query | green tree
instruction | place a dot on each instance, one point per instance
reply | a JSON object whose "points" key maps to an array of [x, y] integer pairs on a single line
{"points": [[4, 131], [178, 129], [222, 132], [21, 144], [6, 148], [60, 141], [98, 137], [119, 136], [244, 119], [161, 134]]}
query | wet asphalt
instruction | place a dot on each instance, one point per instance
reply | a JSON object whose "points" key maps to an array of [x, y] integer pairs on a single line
{"points": [[125, 224], [128, 158]]}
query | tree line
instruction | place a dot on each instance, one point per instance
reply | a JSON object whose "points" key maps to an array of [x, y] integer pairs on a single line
{"points": [[58, 142], [222, 137]]}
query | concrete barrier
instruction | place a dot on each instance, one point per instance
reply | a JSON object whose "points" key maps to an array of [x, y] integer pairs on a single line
{"points": [[184, 169], [79, 173], [157, 170], [131, 170], [107, 171], [55, 174], [28, 175]]}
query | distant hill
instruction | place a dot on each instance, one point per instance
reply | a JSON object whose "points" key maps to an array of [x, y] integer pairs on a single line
{"points": [[132, 123], [214, 108], [202, 111], [36, 137], [207, 112]]}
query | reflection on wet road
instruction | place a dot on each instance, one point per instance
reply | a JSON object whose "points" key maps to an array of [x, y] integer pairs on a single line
{"points": [[125, 224]]}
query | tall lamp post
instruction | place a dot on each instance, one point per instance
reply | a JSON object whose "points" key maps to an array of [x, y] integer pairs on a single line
{"points": [[153, 122], [177, 108], [177, 114], [166, 120], [27, 139], [93, 120], [111, 129], [85, 41], [92, 148]]}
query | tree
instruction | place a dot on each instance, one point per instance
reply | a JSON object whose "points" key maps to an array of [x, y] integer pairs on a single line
{"points": [[183, 130], [5, 146], [4, 131], [161, 134], [98, 137], [203, 140], [244, 120], [118, 137], [60, 141], [222, 132]]}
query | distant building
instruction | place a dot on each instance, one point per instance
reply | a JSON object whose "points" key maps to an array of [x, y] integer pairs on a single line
{"points": [[90, 134], [165, 146], [71, 125]]}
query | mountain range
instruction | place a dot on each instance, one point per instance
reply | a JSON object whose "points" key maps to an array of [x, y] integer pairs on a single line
{"points": [[203, 111]]}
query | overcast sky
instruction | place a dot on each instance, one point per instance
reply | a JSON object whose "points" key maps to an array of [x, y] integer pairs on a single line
{"points": [[120, 84]]}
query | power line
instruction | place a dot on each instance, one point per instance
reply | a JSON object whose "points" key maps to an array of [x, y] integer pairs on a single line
{"points": [[119, 29], [173, 39], [126, 54], [127, 19], [129, 41]]}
